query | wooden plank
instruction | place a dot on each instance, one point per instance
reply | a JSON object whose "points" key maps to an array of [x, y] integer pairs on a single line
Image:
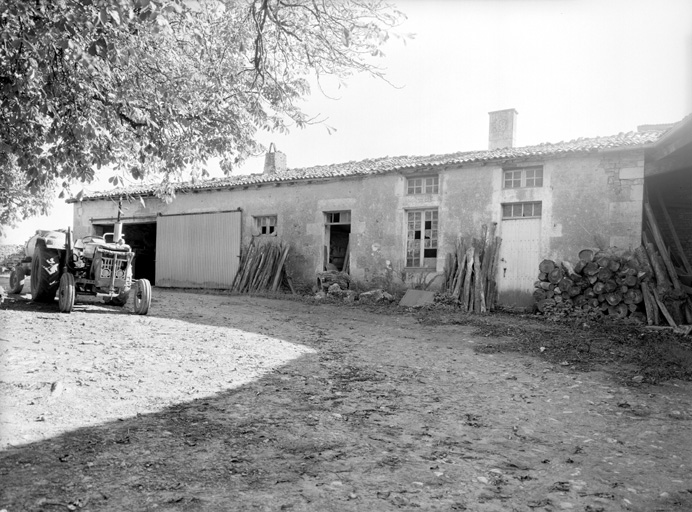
{"points": [[466, 295], [674, 233], [650, 307], [663, 251], [663, 309], [275, 284]]}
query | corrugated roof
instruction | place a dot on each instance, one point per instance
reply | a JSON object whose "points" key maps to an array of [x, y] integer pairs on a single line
{"points": [[387, 164]]}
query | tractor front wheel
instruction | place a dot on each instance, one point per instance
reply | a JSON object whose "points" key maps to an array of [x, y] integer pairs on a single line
{"points": [[142, 296], [45, 273], [17, 279], [66, 293]]}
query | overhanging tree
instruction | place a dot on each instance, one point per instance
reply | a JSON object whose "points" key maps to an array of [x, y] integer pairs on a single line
{"points": [[158, 87]]}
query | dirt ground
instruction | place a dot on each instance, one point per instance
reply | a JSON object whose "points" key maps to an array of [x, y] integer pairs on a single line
{"points": [[219, 402]]}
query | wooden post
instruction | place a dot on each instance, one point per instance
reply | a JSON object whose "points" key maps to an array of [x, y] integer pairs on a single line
{"points": [[664, 310], [467, 295]]}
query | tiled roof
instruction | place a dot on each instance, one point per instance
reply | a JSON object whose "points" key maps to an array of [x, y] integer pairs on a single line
{"points": [[384, 165]]}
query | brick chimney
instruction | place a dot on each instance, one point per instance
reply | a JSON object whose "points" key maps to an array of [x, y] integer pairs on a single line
{"points": [[503, 128], [274, 160]]}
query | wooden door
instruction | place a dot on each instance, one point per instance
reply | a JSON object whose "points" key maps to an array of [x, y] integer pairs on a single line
{"points": [[519, 258]]}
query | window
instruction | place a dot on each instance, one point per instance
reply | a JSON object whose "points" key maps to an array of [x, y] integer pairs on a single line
{"points": [[421, 242], [424, 185], [521, 210], [338, 217], [266, 225], [524, 178]]}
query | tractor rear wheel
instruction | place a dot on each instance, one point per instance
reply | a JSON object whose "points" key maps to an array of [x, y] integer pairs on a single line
{"points": [[17, 279], [66, 293], [45, 273], [142, 296]]}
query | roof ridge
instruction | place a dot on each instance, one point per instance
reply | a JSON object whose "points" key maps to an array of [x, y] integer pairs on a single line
{"points": [[380, 165]]}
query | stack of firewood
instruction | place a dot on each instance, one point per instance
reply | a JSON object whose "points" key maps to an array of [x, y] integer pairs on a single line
{"points": [[608, 281], [469, 274], [262, 268], [644, 284]]}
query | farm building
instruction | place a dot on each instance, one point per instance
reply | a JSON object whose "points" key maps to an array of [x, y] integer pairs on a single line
{"points": [[397, 218]]}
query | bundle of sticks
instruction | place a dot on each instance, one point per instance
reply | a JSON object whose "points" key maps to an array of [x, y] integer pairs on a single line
{"points": [[262, 267], [469, 273]]}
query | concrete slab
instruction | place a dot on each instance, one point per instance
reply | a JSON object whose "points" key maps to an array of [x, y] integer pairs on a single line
{"points": [[417, 298]]}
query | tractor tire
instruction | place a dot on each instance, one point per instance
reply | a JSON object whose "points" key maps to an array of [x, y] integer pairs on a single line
{"points": [[66, 293], [17, 279], [142, 296], [45, 273], [120, 300]]}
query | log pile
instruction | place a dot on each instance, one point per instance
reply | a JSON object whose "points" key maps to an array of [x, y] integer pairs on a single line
{"points": [[606, 281], [644, 284], [262, 268], [469, 274]]}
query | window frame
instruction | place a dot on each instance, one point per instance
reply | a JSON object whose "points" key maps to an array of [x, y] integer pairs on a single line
{"points": [[520, 177], [259, 224], [344, 218], [423, 187], [416, 257], [522, 206]]}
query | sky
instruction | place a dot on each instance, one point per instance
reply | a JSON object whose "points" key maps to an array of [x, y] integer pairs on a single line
{"points": [[571, 68]]}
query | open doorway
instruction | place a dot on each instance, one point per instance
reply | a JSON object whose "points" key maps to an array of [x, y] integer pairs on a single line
{"points": [[337, 241], [142, 240]]}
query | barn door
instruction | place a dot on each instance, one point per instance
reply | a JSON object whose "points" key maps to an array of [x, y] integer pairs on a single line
{"points": [[198, 250], [519, 253]]}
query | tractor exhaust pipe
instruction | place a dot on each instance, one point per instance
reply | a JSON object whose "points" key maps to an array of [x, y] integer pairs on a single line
{"points": [[117, 232]]}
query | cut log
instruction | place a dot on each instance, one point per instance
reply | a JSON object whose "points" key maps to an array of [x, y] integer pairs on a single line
{"points": [[568, 269], [614, 265], [613, 298], [603, 262], [600, 288], [579, 266], [604, 273], [619, 310], [542, 276], [539, 294], [546, 266], [566, 283], [555, 275], [591, 269], [545, 304], [574, 291], [586, 255], [610, 286], [631, 281]]}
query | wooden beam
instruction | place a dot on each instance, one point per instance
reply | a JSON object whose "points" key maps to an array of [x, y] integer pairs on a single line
{"points": [[663, 251]]}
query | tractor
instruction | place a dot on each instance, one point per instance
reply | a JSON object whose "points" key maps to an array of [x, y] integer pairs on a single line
{"points": [[89, 266]]}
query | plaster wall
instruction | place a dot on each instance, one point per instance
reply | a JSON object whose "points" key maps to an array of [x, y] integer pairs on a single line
{"points": [[593, 200]]}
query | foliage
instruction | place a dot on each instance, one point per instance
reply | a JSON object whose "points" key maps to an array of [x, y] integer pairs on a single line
{"points": [[158, 87]]}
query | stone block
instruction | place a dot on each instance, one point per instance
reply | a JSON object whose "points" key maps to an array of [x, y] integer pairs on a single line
{"points": [[631, 173]]}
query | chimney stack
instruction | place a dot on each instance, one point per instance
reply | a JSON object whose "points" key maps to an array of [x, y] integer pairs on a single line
{"points": [[274, 160], [503, 128]]}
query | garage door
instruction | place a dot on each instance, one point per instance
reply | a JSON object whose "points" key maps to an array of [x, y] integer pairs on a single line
{"points": [[519, 253], [198, 250]]}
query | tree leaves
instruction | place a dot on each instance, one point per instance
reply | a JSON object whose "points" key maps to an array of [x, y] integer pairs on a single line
{"points": [[158, 87]]}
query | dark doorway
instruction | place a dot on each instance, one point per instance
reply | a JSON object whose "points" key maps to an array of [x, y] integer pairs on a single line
{"points": [[337, 237], [142, 239]]}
